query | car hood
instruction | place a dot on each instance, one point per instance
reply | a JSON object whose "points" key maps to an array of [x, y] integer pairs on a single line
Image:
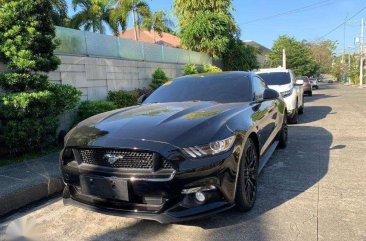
{"points": [[281, 88], [178, 124]]}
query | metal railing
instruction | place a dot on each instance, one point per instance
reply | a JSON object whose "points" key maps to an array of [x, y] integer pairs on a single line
{"points": [[75, 42]]}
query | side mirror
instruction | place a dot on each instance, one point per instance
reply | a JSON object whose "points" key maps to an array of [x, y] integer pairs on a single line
{"points": [[299, 82], [270, 94], [141, 99]]}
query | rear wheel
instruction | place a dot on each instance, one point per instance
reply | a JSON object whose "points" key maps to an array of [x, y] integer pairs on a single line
{"points": [[311, 93], [246, 191]]}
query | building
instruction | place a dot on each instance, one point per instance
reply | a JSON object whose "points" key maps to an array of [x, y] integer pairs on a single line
{"points": [[152, 37], [262, 56]]}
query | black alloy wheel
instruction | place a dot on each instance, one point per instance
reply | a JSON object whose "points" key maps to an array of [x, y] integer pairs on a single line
{"points": [[248, 175]]}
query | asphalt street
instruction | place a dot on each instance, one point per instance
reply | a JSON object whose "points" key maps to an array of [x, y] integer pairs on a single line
{"points": [[315, 189]]}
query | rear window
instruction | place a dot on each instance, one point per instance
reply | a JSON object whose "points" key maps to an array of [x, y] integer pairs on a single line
{"points": [[304, 78], [276, 78]]}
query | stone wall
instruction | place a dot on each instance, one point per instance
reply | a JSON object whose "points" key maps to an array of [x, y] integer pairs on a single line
{"points": [[96, 76]]}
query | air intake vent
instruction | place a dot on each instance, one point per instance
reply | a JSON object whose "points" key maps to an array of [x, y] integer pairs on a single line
{"points": [[123, 159]]}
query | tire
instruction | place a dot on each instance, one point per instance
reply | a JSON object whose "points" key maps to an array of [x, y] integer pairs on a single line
{"points": [[246, 190], [283, 135], [311, 93], [301, 109], [295, 118]]}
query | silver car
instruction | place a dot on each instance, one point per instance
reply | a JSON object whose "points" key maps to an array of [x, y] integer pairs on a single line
{"points": [[314, 82]]}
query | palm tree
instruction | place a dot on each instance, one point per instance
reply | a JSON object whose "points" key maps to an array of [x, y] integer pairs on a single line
{"points": [[123, 8], [94, 14], [159, 22], [59, 12]]}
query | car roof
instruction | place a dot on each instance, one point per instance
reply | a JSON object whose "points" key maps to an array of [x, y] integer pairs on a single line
{"points": [[273, 70]]}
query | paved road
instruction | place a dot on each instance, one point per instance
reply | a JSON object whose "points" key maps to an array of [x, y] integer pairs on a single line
{"points": [[313, 190]]}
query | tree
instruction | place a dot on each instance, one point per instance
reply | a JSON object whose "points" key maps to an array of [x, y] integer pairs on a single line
{"points": [[240, 56], [208, 32], [59, 12], [30, 105], [299, 57], [93, 15], [159, 22], [323, 53], [186, 10], [121, 11]]}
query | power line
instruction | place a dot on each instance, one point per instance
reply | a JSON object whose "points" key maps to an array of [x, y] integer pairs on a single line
{"points": [[293, 11], [344, 22]]}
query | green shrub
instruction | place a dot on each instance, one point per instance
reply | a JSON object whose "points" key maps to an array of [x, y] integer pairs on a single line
{"points": [[158, 78], [189, 69], [123, 98], [90, 108], [208, 68], [17, 82], [67, 97], [143, 91], [30, 105], [29, 133], [27, 105]]}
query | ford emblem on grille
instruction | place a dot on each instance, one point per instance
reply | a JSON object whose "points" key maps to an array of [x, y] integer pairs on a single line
{"points": [[111, 159]]}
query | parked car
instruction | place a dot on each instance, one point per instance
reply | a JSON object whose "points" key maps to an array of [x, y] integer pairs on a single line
{"points": [[308, 86], [194, 147], [314, 82], [284, 81]]}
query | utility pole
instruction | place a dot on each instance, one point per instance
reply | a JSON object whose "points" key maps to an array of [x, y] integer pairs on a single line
{"points": [[349, 68], [361, 53], [284, 59]]}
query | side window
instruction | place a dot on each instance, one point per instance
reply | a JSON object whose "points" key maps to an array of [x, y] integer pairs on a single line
{"points": [[258, 87], [292, 75]]}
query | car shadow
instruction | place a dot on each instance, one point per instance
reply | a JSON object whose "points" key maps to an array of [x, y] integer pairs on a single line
{"points": [[317, 96], [315, 113], [291, 174]]}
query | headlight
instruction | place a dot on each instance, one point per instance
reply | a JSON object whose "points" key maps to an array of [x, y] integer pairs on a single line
{"points": [[287, 93], [212, 148]]}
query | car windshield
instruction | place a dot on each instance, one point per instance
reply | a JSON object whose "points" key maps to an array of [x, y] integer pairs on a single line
{"points": [[220, 88], [276, 78]]}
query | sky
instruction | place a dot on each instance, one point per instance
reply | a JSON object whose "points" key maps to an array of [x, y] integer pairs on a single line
{"points": [[264, 20]]}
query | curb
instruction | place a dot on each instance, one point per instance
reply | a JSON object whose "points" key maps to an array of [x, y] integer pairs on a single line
{"points": [[25, 183], [30, 195]]}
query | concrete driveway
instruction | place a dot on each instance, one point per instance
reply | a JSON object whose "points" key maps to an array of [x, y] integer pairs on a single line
{"points": [[313, 190]]}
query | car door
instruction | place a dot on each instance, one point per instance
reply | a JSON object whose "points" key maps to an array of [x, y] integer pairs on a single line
{"points": [[265, 114]]}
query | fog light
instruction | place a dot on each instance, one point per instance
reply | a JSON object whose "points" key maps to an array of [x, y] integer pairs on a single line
{"points": [[200, 196]]}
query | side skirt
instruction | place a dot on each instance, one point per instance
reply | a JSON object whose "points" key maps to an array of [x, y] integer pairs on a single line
{"points": [[267, 155]]}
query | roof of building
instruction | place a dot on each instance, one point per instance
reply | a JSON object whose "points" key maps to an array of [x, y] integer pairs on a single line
{"points": [[262, 48], [153, 37]]}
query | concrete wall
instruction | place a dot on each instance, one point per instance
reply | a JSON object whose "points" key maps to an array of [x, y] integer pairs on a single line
{"points": [[96, 76]]}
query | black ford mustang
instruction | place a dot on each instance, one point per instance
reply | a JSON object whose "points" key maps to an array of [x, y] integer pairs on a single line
{"points": [[194, 147]]}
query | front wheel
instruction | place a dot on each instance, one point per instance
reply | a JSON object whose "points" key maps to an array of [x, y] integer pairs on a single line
{"points": [[246, 191], [301, 108], [295, 117]]}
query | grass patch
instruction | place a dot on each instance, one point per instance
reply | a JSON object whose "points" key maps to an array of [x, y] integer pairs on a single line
{"points": [[4, 161]]}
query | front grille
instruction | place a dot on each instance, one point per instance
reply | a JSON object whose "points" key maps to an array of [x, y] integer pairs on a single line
{"points": [[123, 159]]}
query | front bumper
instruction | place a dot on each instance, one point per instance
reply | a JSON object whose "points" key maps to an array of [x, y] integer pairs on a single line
{"points": [[159, 197]]}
